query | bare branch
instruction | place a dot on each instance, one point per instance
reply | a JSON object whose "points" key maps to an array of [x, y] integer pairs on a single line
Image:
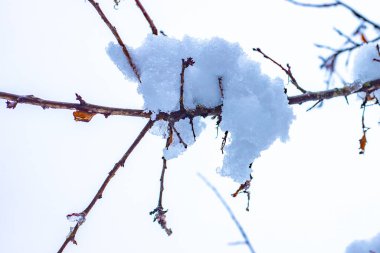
{"points": [[160, 213], [233, 217], [287, 71], [179, 136], [332, 93], [147, 17], [329, 63], [338, 3], [348, 38], [13, 100], [111, 174], [324, 5], [46, 104], [118, 38], [224, 140]]}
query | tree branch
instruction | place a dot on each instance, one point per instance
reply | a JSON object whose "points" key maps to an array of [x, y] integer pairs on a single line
{"points": [[367, 87], [118, 38], [98, 195], [147, 17], [288, 71], [159, 212], [338, 3], [13, 100], [233, 217]]}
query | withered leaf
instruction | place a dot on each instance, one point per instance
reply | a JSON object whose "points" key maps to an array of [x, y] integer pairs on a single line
{"points": [[363, 143], [241, 187], [363, 38], [169, 140], [83, 116]]}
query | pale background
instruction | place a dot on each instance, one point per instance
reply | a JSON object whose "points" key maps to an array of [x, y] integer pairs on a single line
{"points": [[314, 193]]}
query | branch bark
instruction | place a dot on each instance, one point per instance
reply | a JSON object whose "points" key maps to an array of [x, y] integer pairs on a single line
{"points": [[14, 99], [367, 87], [111, 174], [118, 38], [147, 17]]}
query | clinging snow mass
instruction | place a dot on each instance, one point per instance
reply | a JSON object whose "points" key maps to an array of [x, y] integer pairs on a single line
{"points": [[255, 109]]}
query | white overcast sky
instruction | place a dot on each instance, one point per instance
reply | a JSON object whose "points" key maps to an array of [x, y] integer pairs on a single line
{"points": [[313, 194]]}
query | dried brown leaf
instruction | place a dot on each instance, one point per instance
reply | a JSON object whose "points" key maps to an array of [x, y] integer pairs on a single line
{"points": [[83, 116], [363, 38], [363, 143]]}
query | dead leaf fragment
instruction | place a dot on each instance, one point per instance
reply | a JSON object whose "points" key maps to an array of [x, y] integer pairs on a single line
{"points": [[83, 116], [363, 38], [169, 140], [363, 143]]}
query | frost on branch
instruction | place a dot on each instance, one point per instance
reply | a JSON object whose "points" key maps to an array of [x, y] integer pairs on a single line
{"points": [[255, 109]]}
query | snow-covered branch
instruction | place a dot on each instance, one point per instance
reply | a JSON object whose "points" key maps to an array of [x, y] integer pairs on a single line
{"points": [[13, 100]]}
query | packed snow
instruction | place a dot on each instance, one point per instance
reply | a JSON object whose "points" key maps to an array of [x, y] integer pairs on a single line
{"points": [[255, 109], [367, 246], [367, 65]]}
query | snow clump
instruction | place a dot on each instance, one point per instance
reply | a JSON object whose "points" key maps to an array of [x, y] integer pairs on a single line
{"points": [[255, 109], [367, 65], [367, 246]]}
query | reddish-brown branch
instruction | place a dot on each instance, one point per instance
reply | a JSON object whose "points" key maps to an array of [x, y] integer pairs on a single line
{"points": [[13, 100], [118, 38], [335, 4], [179, 136], [147, 17], [329, 62], [185, 63], [332, 93], [111, 174], [287, 71], [159, 212], [86, 107]]}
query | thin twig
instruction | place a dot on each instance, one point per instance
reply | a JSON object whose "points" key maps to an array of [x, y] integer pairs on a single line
{"points": [[348, 38], [338, 3], [147, 17], [220, 83], [244, 188], [179, 136], [287, 71], [118, 38], [185, 63], [111, 174], [329, 63], [160, 213], [229, 210], [317, 103], [324, 5], [332, 93], [224, 140], [191, 119]]}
